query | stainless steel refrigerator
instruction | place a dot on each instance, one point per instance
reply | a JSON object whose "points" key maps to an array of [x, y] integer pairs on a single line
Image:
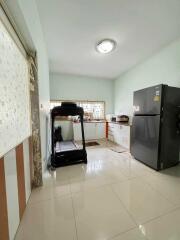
{"points": [[155, 135]]}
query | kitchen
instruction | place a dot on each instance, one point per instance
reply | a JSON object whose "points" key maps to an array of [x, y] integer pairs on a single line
{"points": [[97, 126], [90, 119], [155, 126]]}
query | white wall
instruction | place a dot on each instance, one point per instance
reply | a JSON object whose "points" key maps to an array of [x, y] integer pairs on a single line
{"points": [[69, 87], [12, 192], [27, 18], [164, 67]]}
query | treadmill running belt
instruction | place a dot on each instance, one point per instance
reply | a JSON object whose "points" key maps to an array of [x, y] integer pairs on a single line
{"points": [[65, 146]]}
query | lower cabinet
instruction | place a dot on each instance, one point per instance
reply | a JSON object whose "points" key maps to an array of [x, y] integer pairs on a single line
{"points": [[119, 134], [77, 131], [100, 130], [92, 130]]}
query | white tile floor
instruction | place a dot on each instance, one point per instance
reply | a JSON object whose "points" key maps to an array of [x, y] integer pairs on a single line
{"points": [[113, 197]]}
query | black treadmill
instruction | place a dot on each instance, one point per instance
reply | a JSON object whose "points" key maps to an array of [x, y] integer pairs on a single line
{"points": [[67, 152]]}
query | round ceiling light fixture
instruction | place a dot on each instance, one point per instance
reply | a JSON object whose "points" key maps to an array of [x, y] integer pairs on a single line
{"points": [[106, 46]]}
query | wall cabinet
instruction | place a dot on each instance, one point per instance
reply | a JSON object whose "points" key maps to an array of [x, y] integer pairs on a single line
{"points": [[119, 134], [92, 130]]}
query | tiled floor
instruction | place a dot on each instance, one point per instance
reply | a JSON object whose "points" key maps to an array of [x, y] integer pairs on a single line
{"points": [[113, 197]]}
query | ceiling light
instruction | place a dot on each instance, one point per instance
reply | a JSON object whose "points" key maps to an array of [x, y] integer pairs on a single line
{"points": [[106, 46]]}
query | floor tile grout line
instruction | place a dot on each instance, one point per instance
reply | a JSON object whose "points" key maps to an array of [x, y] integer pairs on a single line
{"points": [[51, 198], [114, 182], [74, 217], [152, 219], [121, 234], [96, 188], [124, 206], [160, 216], [71, 194], [153, 188], [128, 214], [91, 189], [108, 185], [166, 198]]}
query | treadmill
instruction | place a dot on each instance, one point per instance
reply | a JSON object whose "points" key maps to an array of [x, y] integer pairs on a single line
{"points": [[67, 152]]}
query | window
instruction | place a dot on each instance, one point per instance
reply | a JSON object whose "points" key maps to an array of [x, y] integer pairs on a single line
{"points": [[94, 110]]}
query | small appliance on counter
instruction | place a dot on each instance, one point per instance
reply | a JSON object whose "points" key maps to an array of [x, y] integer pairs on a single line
{"points": [[122, 119], [113, 119]]}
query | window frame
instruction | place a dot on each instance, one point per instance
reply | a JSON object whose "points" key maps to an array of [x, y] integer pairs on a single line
{"points": [[82, 101]]}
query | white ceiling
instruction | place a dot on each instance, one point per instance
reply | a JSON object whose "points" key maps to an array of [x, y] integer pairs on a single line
{"points": [[72, 28]]}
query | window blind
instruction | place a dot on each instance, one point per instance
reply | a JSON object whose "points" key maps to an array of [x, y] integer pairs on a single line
{"points": [[14, 89]]}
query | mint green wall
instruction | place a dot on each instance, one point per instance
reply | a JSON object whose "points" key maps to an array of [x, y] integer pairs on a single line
{"points": [[69, 87], [163, 67]]}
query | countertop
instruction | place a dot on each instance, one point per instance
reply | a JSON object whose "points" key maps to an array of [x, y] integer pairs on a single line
{"points": [[120, 123], [93, 121]]}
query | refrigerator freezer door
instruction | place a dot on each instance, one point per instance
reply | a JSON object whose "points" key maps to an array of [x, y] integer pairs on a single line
{"points": [[145, 139], [148, 101]]}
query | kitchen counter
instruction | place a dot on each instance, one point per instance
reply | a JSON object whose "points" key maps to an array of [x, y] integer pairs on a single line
{"points": [[93, 121], [120, 123]]}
